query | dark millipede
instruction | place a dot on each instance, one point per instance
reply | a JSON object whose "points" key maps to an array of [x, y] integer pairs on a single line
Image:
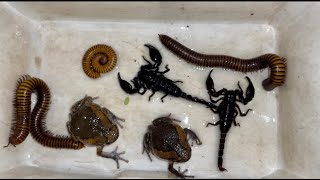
{"points": [[98, 59], [276, 64], [26, 86]]}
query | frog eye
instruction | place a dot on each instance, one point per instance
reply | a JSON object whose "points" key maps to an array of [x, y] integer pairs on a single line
{"points": [[75, 108], [77, 105]]}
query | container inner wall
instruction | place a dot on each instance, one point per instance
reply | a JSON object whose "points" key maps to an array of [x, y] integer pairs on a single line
{"points": [[56, 38]]}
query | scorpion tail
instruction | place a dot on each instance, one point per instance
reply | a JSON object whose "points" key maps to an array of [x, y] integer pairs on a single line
{"points": [[221, 148], [126, 86], [201, 101]]}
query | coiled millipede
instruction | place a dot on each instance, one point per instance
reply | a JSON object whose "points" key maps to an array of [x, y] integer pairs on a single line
{"points": [[22, 123], [98, 59], [276, 64]]}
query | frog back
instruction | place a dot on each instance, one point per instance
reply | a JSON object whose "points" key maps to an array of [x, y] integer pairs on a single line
{"points": [[168, 140], [91, 126]]}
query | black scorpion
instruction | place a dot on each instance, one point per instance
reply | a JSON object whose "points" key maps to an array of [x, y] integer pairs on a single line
{"points": [[149, 77], [227, 109]]}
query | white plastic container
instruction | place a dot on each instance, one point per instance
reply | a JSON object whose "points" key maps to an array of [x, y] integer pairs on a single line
{"points": [[279, 139]]}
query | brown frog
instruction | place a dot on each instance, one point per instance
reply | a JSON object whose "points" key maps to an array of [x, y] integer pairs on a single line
{"points": [[95, 125], [168, 140]]}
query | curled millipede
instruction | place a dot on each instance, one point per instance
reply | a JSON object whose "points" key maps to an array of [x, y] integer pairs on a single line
{"points": [[276, 64], [98, 59], [25, 88]]}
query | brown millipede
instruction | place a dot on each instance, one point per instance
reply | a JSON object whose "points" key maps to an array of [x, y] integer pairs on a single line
{"points": [[36, 124], [98, 59], [20, 126], [276, 64]]}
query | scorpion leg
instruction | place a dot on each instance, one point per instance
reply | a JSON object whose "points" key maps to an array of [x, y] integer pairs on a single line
{"points": [[163, 97], [113, 155], [112, 117], [144, 91], [234, 120], [192, 136], [214, 100], [214, 124], [165, 71], [241, 113], [177, 173], [177, 81], [153, 92], [213, 110]]}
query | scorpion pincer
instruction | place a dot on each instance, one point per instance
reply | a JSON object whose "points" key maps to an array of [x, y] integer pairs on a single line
{"points": [[149, 77], [227, 109]]}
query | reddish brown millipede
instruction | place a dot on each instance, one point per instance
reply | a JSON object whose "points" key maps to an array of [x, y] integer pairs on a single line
{"points": [[20, 128], [98, 59], [276, 64]]}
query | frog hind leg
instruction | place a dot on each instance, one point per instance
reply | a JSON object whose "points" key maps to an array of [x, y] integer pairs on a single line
{"points": [[112, 155], [192, 135], [112, 117], [70, 131], [177, 173]]}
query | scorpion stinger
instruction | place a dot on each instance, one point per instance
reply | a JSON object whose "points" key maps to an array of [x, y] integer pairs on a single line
{"points": [[127, 86], [249, 92]]}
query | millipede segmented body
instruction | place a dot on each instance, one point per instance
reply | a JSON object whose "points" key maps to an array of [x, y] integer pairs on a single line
{"points": [[20, 126], [36, 124], [98, 59], [276, 64]]}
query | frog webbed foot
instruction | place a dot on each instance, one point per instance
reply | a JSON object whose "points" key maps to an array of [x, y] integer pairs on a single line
{"points": [[183, 172], [178, 173], [113, 117], [112, 155]]}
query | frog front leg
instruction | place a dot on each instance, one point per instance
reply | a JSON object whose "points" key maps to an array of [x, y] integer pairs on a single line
{"points": [[113, 155], [192, 135], [112, 117], [147, 145]]}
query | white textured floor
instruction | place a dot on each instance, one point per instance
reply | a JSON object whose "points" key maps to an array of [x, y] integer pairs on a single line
{"points": [[250, 150]]}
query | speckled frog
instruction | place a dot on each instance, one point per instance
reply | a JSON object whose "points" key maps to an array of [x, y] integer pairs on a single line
{"points": [[168, 140], [95, 125]]}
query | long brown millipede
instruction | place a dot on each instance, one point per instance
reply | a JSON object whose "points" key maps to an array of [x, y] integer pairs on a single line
{"points": [[20, 126], [98, 59], [276, 64], [37, 124]]}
